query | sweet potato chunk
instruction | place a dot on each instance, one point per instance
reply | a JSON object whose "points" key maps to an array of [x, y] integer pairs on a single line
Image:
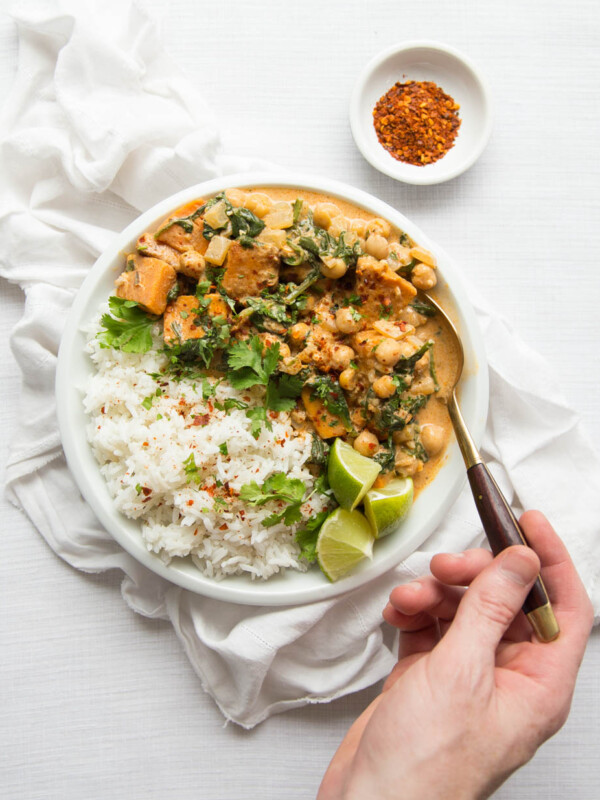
{"points": [[181, 237], [182, 319], [148, 281], [249, 270], [383, 293], [326, 424]]}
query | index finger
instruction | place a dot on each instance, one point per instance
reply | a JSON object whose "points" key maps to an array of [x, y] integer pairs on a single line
{"points": [[570, 602]]}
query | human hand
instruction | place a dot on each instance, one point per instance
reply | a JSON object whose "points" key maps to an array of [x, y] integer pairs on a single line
{"points": [[474, 693]]}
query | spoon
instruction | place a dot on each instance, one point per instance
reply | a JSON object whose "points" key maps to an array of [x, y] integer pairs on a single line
{"points": [[499, 522]]}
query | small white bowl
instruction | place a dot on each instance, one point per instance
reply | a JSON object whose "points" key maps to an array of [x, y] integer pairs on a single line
{"points": [[451, 71]]}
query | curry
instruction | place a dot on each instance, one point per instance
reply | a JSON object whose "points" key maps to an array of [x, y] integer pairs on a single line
{"points": [[323, 292]]}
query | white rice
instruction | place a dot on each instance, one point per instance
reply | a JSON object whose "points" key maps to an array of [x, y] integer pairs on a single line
{"points": [[141, 452]]}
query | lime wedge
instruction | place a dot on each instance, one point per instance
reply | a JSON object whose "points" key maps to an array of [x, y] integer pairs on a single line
{"points": [[350, 474], [344, 540], [386, 507]]}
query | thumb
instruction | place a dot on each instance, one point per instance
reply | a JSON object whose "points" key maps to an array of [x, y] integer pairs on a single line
{"points": [[492, 601]]}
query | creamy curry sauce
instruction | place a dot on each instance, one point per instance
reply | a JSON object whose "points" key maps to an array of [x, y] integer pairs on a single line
{"points": [[334, 289]]}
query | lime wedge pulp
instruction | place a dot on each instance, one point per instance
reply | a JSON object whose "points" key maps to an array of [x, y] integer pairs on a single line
{"points": [[350, 474], [345, 539], [386, 507]]}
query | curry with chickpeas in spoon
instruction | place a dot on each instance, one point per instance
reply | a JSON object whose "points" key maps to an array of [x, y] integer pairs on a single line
{"points": [[324, 292]]}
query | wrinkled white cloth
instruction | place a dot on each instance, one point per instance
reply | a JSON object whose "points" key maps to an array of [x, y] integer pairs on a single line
{"points": [[100, 125]]}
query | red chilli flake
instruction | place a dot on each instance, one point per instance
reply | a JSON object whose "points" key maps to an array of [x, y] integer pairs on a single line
{"points": [[416, 122]]}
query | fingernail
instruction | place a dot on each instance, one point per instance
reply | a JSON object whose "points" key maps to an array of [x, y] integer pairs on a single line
{"points": [[455, 556], [518, 567], [415, 586]]}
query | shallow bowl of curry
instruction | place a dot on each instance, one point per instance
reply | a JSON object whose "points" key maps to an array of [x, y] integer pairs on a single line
{"points": [[435, 493]]}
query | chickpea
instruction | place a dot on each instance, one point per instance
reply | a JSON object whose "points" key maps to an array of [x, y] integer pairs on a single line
{"points": [[284, 350], [379, 226], [433, 438], [236, 197], [333, 267], [407, 434], [359, 226], [389, 352], [350, 238], [412, 317], [259, 203], [406, 464], [341, 356], [192, 264], [338, 225], [423, 385], [384, 386], [366, 443], [299, 332], [269, 340], [324, 213], [377, 246], [345, 320], [348, 379], [328, 322], [423, 277], [398, 256], [291, 364]]}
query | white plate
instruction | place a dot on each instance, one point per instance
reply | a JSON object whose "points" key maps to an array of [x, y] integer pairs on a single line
{"points": [[74, 369], [456, 75]]}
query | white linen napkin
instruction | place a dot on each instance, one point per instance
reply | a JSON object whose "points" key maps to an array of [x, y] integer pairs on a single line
{"points": [[101, 124]]}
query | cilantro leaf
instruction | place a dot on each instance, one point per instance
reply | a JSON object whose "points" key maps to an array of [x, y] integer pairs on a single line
{"points": [[248, 365], [191, 468], [307, 536], [246, 354], [127, 327], [259, 418], [275, 398], [287, 490]]}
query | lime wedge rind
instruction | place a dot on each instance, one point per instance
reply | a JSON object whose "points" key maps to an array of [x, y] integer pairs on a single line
{"points": [[387, 507], [350, 474], [344, 541]]}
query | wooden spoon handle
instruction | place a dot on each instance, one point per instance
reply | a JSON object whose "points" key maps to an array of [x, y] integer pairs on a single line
{"points": [[503, 530]]}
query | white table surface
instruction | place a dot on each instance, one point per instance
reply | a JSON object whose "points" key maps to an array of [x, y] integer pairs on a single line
{"points": [[97, 702]]}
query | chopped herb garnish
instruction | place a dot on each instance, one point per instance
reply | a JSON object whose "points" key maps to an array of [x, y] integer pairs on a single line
{"points": [[319, 451], [191, 469], [307, 536], [407, 364], [331, 393], [223, 449], [278, 487], [259, 419], [387, 455], [248, 365], [297, 208], [423, 308], [128, 329]]}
